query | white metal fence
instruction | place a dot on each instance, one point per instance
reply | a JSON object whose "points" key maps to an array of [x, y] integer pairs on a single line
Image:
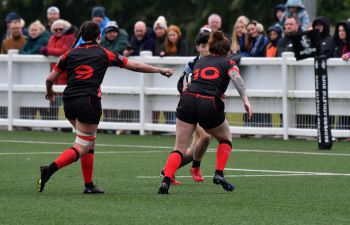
{"points": [[281, 91]]}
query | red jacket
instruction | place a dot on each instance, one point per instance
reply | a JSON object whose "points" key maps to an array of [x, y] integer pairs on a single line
{"points": [[57, 46]]}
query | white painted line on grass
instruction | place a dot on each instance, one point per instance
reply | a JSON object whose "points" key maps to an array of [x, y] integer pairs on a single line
{"points": [[211, 150], [289, 172]]}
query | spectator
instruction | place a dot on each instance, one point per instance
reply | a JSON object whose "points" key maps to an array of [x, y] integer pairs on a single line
{"points": [[277, 15], [98, 15], [160, 28], [38, 38], [16, 40], [342, 41], [285, 44], [214, 22], [274, 34], [115, 39], [244, 19], [142, 40], [174, 44], [52, 14], [342, 50], [9, 18], [239, 39], [257, 40], [327, 43], [296, 8], [62, 39]]}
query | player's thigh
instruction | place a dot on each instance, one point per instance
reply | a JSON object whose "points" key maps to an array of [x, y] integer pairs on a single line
{"points": [[221, 132], [184, 133]]}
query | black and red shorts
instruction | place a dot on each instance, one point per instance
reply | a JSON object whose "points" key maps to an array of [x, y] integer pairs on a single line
{"points": [[86, 109], [207, 111]]}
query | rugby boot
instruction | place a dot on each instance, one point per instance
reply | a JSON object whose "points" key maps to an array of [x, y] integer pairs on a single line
{"points": [[44, 177], [173, 181], [164, 186], [196, 174], [220, 179], [90, 188]]}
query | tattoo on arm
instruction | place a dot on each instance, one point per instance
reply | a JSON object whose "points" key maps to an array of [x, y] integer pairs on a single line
{"points": [[239, 84]]}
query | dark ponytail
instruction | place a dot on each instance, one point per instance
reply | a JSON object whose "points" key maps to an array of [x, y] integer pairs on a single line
{"points": [[89, 31], [218, 43]]}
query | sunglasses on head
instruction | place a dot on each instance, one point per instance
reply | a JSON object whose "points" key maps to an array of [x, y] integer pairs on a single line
{"points": [[58, 29]]}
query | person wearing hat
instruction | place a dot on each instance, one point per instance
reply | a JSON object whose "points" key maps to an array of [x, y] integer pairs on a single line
{"points": [[327, 42], [98, 15], [53, 14], [16, 40], [115, 39], [8, 19], [274, 34], [160, 28]]}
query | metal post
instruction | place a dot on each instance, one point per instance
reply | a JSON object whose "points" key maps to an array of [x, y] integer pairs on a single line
{"points": [[11, 53], [143, 109]]}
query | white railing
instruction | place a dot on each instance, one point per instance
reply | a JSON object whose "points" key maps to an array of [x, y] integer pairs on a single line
{"points": [[281, 89]]}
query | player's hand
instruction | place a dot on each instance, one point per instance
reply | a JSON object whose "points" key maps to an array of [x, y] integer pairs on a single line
{"points": [[248, 108], [346, 56], [50, 95], [167, 72]]}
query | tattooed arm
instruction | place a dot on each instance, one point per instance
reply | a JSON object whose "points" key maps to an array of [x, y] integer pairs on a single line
{"points": [[239, 84]]}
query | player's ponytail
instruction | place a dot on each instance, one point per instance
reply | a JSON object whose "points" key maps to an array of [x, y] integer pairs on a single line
{"points": [[218, 43], [89, 31]]}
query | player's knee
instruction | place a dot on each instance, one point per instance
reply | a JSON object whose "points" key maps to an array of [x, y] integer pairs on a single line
{"points": [[84, 140], [228, 142], [206, 138]]}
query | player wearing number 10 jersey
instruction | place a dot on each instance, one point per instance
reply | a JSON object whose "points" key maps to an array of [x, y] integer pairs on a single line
{"points": [[86, 66], [202, 103]]}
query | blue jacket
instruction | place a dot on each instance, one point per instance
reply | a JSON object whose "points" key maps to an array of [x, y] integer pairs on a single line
{"points": [[302, 14]]}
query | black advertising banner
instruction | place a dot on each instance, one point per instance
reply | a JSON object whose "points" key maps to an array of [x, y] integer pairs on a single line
{"points": [[306, 44], [322, 106]]}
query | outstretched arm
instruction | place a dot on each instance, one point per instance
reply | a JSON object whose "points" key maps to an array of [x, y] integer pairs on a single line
{"points": [[145, 68], [239, 84]]}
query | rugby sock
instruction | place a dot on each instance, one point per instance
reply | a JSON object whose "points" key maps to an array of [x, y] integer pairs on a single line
{"points": [[87, 166], [67, 157], [196, 164], [52, 168], [172, 163], [185, 160], [222, 154]]}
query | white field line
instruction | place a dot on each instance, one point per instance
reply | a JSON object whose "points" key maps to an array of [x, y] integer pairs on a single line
{"points": [[270, 173], [153, 147]]}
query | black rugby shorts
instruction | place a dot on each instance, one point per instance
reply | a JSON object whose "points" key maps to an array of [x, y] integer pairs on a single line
{"points": [[207, 111], [86, 109]]}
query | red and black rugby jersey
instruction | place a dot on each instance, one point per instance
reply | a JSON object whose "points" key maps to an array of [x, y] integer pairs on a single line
{"points": [[210, 75], [86, 66]]}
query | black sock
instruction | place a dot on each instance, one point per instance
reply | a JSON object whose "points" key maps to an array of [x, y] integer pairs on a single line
{"points": [[196, 164], [185, 160], [89, 185], [219, 172], [52, 168]]}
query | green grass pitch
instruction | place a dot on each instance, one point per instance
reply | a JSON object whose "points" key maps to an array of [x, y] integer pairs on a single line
{"points": [[277, 182]]}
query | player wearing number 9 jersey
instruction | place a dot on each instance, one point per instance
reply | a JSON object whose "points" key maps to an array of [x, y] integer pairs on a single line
{"points": [[201, 103], [86, 66]]}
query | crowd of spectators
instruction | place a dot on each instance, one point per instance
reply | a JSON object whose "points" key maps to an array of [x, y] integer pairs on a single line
{"points": [[249, 38]]}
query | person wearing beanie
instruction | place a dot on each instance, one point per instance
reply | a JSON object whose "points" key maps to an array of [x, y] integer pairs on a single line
{"points": [[160, 28], [98, 15], [52, 14], [16, 40], [274, 34], [327, 43], [8, 19]]}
